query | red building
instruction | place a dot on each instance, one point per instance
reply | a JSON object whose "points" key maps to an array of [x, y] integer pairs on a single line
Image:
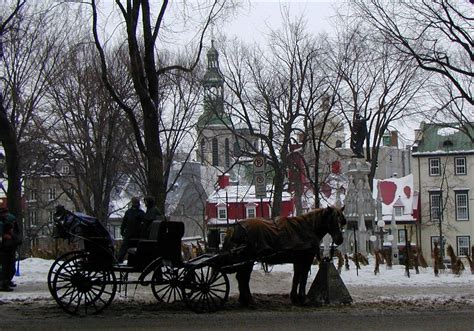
{"points": [[232, 203]]}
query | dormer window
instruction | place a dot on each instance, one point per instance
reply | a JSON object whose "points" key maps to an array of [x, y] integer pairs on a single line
{"points": [[65, 170], [448, 144], [398, 210], [398, 207], [221, 211], [251, 210]]}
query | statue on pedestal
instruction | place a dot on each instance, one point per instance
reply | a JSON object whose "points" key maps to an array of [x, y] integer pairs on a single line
{"points": [[358, 134]]}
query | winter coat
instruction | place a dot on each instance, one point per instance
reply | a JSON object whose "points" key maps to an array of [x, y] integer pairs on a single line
{"points": [[132, 221], [9, 233], [152, 213]]}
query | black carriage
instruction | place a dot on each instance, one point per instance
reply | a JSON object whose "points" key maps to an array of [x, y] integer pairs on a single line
{"points": [[86, 281]]}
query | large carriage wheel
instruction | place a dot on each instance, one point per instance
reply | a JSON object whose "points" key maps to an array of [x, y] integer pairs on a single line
{"points": [[167, 283], [206, 288], [82, 289], [54, 269]]}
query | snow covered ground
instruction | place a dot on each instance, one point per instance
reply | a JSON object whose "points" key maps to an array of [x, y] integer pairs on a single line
{"points": [[390, 285]]}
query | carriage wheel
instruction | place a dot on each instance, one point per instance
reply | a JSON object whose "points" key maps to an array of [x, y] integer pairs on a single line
{"points": [[54, 269], [167, 284], [79, 289], [206, 288]]}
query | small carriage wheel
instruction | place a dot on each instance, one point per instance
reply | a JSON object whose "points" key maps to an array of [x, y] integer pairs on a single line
{"points": [[54, 269], [167, 283], [206, 288], [82, 288]]}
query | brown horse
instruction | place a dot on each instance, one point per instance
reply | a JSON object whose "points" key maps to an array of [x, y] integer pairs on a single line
{"points": [[287, 240]]}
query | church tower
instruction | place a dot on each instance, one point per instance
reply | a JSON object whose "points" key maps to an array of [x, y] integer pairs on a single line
{"points": [[215, 138]]}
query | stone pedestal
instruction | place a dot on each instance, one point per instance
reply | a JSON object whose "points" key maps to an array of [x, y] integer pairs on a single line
{"points": [[359, 204], [328, 287]]}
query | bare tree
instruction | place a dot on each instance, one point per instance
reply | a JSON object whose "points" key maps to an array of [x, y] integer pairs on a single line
{"points": [[83, 127], [271, 92], [437, 34], [30, 44], [378, 83], [145, 35]]}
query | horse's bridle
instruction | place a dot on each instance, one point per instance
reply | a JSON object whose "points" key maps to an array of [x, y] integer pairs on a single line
{"points": [[338, 228]]}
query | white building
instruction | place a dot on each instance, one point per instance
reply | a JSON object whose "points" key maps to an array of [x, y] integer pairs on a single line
{"points": [[443, 168]]}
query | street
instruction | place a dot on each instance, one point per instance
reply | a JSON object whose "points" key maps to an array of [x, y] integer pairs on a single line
{"points": [[374, 308]]}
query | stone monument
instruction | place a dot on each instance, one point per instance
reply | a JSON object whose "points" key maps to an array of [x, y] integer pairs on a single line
{"points": [[359, 204]]}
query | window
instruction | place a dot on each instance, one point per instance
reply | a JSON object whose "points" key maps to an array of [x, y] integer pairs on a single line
{"points": [[460, 166], [222, 236], [237, 151], [462, 205], [227, 153], [32, 195], [435, 205], [463, 244], [221, 212], [401, 236], [398, 210], [251, 210], [203, 150], [65, 170], [51, 193], [215, 152], [33, 217], [435, 167]]}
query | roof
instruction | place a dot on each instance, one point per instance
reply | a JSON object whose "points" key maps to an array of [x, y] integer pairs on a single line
{"points": [[242, 193], [443, 138]]}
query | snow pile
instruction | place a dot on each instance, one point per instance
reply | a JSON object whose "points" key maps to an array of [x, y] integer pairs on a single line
{"points": [[390, 286]]}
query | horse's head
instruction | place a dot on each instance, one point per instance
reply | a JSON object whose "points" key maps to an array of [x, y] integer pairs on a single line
{"points": [[336, 222]]}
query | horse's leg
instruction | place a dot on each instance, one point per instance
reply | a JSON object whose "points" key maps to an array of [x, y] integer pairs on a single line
{"points": [[303, 278], [243, 279], [295, 283]]}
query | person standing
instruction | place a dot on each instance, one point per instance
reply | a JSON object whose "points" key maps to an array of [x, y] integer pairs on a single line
{"points": [[130, 228], [9, 241], [152, 213]]}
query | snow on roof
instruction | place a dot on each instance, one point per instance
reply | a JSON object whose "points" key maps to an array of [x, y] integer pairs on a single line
{"points": [[242, 193], [444, 132], [395, 192]]}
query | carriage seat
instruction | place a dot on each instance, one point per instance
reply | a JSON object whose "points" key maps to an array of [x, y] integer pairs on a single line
{"points": [[164, 240]]}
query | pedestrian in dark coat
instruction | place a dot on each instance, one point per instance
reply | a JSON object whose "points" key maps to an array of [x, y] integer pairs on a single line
{"points": [[131, 227], [152, 213], [9, 241]]}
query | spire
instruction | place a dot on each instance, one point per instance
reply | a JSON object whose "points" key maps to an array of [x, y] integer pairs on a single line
{"points": [[213, 83], [212, 59]]}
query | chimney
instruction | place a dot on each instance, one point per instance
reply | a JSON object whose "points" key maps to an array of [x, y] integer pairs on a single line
{"points": [[394, 138], [418, 134], [223, 181]]}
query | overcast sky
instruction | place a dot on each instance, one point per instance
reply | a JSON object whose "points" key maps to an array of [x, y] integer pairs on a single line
{"points": [[256, 17]]}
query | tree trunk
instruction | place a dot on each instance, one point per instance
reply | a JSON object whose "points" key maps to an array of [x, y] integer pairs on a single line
{"points": [[13, 169]]}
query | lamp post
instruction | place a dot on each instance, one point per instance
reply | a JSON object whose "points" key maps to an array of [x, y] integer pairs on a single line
{"points": [[381, 232]]}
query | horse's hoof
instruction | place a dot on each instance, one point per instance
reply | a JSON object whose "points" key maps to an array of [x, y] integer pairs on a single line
{"points": [[246, 302]]}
